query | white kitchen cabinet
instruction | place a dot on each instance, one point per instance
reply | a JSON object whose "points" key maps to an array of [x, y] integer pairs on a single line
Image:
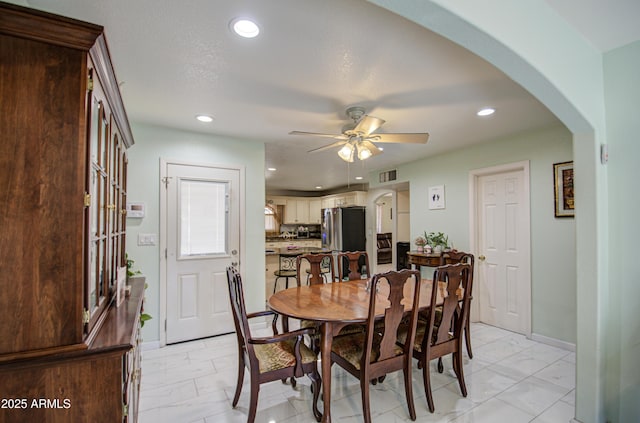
{"points": [[315, 211], [296, 211], [302, 210], [328, 202], [353, 198]]}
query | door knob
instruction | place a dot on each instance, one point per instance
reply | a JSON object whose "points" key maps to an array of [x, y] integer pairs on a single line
{"points": [[482, 258]]}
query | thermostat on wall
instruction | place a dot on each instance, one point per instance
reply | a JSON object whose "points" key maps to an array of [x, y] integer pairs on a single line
{"points": [[135, 209]]}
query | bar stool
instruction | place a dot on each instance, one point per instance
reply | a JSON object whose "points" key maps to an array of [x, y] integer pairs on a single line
{"points": [[286, 268]]}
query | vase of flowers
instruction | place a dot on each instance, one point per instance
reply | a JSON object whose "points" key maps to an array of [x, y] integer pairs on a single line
{"points": [[420, 243]]}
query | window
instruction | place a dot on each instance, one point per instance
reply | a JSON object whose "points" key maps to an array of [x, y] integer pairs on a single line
{"points": [[270, 222], [203, 217]]}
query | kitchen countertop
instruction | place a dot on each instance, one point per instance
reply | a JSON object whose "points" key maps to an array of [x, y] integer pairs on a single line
{"points": [[296, 251], [280, 239]]}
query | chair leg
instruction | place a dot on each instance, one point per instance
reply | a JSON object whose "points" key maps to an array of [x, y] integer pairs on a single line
{"points": [[366, 410], [408, 389], [426, 378], [458, 368], [236, 397], [316, 383], [467, 337], [253, 400], [440, 365]]}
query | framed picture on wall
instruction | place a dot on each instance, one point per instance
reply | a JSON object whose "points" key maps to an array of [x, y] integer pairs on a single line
{"points": [[563, 189], [436, 197]]}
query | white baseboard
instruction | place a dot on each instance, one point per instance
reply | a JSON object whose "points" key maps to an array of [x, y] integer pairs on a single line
{"points": [[554, 343]]}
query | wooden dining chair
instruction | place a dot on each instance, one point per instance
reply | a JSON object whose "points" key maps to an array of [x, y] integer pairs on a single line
{"points": [[320, 267], [453, 257], [269, 358], [442, 333], [353, 265], [373, 354]]}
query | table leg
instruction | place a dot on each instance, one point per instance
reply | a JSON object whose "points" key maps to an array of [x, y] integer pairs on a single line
{"points": [[326, 333]]}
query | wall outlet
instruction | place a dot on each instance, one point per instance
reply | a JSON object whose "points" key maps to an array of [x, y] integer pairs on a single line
{"points": [[146, 239]]}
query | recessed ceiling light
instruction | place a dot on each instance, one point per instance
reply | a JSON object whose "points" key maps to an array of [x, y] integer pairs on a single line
{"points": [[359, 177], [487, 111], [319, 187], [204, 118], [272, 169], [245, 27]]}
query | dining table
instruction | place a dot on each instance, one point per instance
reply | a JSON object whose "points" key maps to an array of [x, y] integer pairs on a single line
{"points": [[336, 305]]}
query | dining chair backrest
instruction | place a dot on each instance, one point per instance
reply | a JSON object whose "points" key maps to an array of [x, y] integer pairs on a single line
{"points": [[394, 314], [320, 265], [453, 257], [238, 309], [352, 265]]}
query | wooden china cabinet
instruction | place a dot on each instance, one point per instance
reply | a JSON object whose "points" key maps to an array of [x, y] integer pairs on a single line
{"points": [[68, 352]]}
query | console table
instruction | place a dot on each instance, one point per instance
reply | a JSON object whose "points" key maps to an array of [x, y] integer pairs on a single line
{"points": [[423, 259]]}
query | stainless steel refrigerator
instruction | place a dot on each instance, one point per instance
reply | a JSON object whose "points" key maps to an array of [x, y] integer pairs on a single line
{"points": [[343, 229]]}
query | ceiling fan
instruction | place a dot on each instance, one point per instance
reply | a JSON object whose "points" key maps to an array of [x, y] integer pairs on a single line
{"points": [[360, 136]]}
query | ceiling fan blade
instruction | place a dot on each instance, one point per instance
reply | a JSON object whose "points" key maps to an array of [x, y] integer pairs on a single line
{"points": [[316, 134], [401, 138], [326, 147], [368, 124], [371, 147]]}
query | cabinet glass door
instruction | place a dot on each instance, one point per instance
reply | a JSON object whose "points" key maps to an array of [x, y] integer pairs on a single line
{"points": [[97, 294]]}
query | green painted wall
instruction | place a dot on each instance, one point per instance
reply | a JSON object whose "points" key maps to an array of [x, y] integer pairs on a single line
{"points": [[153, 143], [622, 96], [553, 249]]}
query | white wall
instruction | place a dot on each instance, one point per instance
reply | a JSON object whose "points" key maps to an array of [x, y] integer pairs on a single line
{"points": [[622, 84], [153, 143], [552, 240]]}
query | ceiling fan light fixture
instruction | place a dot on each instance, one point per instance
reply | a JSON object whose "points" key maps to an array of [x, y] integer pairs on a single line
{"points": [[346, 153], [363, 152]]}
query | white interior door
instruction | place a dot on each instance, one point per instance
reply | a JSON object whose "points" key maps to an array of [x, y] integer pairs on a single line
{"points": [[503, 284], [202, 240]]}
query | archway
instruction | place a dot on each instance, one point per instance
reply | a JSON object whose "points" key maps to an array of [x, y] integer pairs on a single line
{"points": [[529, 55]]}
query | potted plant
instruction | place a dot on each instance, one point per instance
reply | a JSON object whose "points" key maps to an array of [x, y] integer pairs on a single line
{"points": [[437, 240], [131, 273]]}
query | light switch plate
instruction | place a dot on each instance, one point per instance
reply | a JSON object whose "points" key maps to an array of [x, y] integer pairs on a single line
{"points": [[146, 239]]}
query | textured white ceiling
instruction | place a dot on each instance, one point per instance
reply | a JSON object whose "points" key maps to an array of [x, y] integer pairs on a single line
{"points": [[312, 60]]}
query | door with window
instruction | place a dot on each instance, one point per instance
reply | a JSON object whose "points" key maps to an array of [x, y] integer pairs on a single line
{"points": [[202, 218]]}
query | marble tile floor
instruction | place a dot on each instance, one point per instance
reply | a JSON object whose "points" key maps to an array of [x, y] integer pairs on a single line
{"points": [[510, 379]]}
